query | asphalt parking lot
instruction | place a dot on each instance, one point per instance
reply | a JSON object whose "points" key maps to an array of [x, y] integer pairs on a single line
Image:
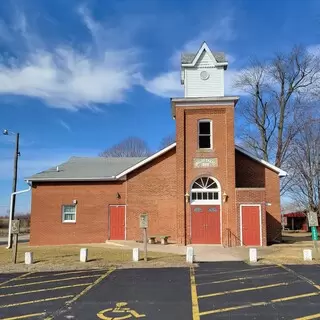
{"points": [[222, 290]]}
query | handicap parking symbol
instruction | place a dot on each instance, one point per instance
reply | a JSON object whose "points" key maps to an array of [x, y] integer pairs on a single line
{"points": [[120, 312]]}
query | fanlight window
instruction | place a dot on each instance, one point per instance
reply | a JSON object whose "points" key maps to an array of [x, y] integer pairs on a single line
{"points": [[205, 190]]}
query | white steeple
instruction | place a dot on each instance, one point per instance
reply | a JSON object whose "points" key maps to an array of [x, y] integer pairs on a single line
{"points": [[202, 73]]}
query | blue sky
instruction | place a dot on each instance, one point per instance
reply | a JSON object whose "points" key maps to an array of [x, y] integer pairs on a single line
{"points": [[77, 77]]}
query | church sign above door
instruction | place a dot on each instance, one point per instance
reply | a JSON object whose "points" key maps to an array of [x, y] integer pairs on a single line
{"points": [[205, 162]]}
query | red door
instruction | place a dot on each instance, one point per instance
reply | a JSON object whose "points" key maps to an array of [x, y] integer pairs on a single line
{"points": [[205, 222], [250, 225], [117, 222]]}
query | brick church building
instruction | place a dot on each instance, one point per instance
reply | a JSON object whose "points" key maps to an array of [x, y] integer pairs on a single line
{"points": [[203, 189]]}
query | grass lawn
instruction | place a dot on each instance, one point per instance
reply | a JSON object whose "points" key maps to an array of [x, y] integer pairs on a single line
{"points": [[67, 257], [290, 251]]}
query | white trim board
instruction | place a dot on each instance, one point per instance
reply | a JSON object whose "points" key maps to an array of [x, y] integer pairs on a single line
{"points": [[204, 47], [260, 220]]}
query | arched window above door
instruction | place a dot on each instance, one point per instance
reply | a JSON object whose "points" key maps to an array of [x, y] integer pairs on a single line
{"points": [[205, 190]]}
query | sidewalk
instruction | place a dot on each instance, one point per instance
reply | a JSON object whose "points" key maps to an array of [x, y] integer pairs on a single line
{"points": [[203, 253]]}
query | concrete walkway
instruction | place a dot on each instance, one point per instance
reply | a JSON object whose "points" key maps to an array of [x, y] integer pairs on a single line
{"points": [[203, 253]]}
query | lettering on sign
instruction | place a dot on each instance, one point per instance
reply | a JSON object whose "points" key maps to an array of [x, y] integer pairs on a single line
{"points": [[205, 162], [213, 209], [313, 219], [119, 312]]}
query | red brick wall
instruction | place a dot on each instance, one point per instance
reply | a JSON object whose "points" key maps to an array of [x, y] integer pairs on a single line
{"points": [[273, 211], [249, 173], [187, 149], [91, 214], [152, 189], [252, 174]]}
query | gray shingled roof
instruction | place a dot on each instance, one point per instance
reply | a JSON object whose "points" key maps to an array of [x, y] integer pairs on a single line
{"points": [[79, 168], [187, 57]]}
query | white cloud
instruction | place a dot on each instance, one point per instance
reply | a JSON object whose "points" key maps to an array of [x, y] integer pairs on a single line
{"points": [[314, 49], [165, 85], [229, 79], [64, 77], [168, 84], [64, 125]]}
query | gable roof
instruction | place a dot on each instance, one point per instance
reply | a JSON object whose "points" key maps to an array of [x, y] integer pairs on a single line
{"points": [[111, 169], [187, 57], [87, 169], [95, 169], [190, 59]]}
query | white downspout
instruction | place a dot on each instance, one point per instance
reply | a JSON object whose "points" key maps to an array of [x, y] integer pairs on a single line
{"points": [[10, 214]]}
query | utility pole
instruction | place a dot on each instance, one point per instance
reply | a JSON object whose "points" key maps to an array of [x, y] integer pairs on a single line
{"points": [[14, 182]]}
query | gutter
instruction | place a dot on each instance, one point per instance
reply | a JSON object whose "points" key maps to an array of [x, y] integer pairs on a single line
{"points": [[11, 212], [112, 178]]}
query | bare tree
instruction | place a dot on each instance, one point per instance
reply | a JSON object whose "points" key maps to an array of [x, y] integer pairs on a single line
{"points": [[304, 163], [166, 141], [277, 92], [130, 147]]}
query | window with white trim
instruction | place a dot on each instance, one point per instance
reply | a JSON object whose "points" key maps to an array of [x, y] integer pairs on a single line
{"points": [[205, 190], [69, 213], [205, 134]]}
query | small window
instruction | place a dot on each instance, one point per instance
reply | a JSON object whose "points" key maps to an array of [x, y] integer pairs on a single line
{"points": [[205, 134], [69, 213]]}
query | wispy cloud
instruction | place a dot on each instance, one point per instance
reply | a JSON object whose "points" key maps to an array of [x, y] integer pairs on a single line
{"points": [[64, 77], [64, 125], [167, 84]]}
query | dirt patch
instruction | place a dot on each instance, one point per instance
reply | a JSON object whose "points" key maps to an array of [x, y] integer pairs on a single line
{"points": [[47, 258]]}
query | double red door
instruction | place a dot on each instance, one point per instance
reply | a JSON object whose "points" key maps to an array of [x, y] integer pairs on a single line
{"points": [[205, 224], [251, 225], [117, 222]]}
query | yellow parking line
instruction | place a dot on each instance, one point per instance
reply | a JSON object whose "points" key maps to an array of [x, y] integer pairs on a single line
{"points": [[25, 316], [242, 290], [48, 281], [296, 297], [262, 303], [16, 278], [90, 286], [58, 274], [85, 290], [240, 279], [310, 317], [300, 276], [234, 271], [34, 301], [194, 296], [79, 271], [42, 290]]}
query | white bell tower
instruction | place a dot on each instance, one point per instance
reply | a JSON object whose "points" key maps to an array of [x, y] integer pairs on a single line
{"points": [[202, 73]]}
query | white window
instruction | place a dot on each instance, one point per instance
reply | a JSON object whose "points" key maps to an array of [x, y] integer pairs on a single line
{"points": [[205, 190], [68, 213], [205, 134]]}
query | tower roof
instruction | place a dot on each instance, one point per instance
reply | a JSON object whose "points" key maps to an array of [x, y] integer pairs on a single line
{"points": [[187, 57]]}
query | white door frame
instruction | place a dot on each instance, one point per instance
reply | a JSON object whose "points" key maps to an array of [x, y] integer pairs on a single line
{"points": [[260, 220], [125, 218]]}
